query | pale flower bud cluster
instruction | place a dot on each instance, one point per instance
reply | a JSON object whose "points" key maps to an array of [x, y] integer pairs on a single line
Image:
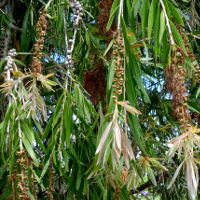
{"points": [[77, 14], [9, 65], [77, 11], [69, 61]]}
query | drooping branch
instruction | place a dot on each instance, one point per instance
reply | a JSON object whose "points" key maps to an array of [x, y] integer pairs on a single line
{"points": [[167, 22]]}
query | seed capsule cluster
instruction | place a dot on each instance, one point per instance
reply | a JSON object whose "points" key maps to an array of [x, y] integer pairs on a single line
{"points": [[22, 176], [41, 28], [118, 61], [77, 11], [9, 65], [175, 78]]}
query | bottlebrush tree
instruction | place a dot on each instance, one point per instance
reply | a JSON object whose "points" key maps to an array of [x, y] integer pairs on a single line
{"points": [[99, 99]]}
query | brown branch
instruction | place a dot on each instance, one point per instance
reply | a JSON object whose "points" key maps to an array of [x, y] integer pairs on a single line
{"points": [[149, 183], [13, 27], [3, 3]]}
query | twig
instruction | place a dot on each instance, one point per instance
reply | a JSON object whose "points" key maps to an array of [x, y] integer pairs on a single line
{"points": [[48, 4], [20, 135], [167, 22], [66, 41], [124, 98], [120, 13], [16, 28]]}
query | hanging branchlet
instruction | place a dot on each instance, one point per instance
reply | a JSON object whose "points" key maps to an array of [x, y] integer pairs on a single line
{"points": [[185, 143], [41, 28], [119, 141]]}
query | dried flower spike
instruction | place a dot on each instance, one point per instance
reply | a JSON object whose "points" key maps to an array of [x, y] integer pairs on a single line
{"points": [[41, 28]]}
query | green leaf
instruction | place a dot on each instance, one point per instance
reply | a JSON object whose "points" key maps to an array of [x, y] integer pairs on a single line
{"points": [[27, 132], [53, 120], [198, 92], [29, 148], [39, 141], [7, 117], [2, 61], [177, 37], [175, 12], [133, 64], [151, 18], [66, 122], [157, 31], [144, 14], [114, 8], [111, 73], [6, 193], [24, 43], [78, 179], [108, 48], [135, 131], [151, 176], [136, 6], [162, 25], [19, 62], [46, 167], [66, 160]]}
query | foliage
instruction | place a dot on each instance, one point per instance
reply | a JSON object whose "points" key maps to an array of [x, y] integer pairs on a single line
{"points": [[100, 99]]}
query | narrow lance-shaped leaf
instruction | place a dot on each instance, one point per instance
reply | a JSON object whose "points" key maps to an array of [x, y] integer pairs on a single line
{"points": [[176, 174], [103, 138], [117, 134], [151, 18]]}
